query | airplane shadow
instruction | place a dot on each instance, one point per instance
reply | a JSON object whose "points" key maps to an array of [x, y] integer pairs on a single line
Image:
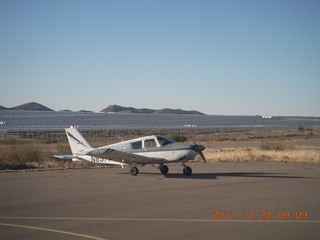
{"points": [[230, 174], [217, 175]]}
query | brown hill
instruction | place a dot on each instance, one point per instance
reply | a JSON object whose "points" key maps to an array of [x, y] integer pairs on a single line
{"points": [[120, 109]]}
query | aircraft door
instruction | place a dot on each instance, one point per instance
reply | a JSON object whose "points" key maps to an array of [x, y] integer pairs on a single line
{"points": [[166, 151]]}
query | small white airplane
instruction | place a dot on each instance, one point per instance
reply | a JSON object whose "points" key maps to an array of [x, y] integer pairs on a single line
{"points": [[140, 151]]}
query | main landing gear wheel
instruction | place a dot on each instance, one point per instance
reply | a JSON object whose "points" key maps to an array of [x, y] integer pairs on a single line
{"points": [[164, 169], [134, 171], [187, 171]]}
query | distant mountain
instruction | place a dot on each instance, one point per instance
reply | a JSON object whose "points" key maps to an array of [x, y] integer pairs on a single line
{"points": [[120, 109], [85, 111], [176, 111], [32, 106], [81, 111], [64, 110]]}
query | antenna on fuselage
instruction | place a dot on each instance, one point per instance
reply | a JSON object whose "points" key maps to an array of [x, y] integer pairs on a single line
{"points": [[120, 138]]}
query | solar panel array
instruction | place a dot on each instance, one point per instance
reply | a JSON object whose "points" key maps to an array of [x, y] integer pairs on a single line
{"points": [[19, 121]]}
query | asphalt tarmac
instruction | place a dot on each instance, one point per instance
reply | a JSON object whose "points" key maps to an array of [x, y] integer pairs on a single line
{"points": [[219, 201]]}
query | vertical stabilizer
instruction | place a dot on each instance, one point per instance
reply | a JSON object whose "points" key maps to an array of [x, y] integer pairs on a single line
{"points": [[77, 142]]}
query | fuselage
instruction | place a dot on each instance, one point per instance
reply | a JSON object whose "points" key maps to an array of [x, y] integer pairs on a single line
{"points": [[156, 147]]}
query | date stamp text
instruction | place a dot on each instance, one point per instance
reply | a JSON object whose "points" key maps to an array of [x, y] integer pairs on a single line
{"points": [[260, 215]]}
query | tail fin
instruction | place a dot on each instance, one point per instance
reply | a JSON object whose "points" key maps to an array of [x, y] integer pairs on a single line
{"points": [[76, 141]]}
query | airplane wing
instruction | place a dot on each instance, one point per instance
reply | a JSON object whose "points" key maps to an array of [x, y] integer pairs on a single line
{"points": [[123, 157]]}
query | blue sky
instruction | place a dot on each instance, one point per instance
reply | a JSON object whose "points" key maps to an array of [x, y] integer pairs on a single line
{"points": [[219, 57]]}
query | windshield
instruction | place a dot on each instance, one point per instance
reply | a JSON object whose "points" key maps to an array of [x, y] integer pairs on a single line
{"points": [[164, 141]]}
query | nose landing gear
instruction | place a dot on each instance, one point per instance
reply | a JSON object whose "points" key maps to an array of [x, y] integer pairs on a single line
{"points": [[187, 171]]}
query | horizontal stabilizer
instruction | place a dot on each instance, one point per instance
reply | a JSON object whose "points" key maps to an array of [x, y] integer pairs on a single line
{"points": [[65, 156], [81, 157]]}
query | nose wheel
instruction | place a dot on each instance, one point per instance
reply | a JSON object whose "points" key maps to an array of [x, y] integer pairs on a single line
{"points": [[187, 171]]}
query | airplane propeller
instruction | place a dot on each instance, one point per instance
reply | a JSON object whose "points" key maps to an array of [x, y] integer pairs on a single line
{"points": [[199, 148]]}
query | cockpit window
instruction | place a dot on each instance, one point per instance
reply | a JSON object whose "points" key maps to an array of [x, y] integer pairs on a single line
{"points": [[164, 141], [151, 143], [136, 145]]}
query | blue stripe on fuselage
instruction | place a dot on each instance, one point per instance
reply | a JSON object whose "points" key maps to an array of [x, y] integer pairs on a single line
{"points": [[143, 150]]}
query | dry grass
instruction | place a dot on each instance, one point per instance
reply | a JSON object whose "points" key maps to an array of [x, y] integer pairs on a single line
{"points": [[296, 155], [37, 155], [279, 145]]}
